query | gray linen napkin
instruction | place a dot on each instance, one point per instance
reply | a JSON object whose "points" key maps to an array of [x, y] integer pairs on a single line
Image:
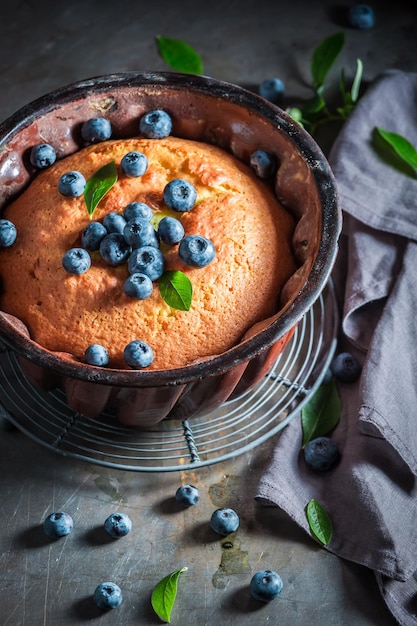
{"points": [[371, 495]]}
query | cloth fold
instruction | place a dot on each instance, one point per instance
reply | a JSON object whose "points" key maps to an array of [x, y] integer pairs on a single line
{"points": [[371, 495]]}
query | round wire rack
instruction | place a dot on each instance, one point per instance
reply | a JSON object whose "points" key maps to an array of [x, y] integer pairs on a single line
{"points": [[238, 426]]}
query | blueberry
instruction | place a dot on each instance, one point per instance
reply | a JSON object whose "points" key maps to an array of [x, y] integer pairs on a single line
{"points": [[137, 210], [138, 354], [321, 454], [92, 235], [134, 164], [345, 367], [72, 184], [361, 16], [147, 260], [114, 222], [262, 163], [187, 495], [42, 155], [95, 130], [196, 251], [224, 521], [76, 261], [118, 525], [180, 195], [138, 286], [96, 355], [139, 232], [265, 585], [156, 124], [107, 595], [58, 524], [170, 230], [272, 89], [8, 233], [114, 249]]}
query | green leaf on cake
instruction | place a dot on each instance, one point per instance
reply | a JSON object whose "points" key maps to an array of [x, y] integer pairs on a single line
{"points": [[176, 289], [319, 522], [321, 413], [164, 594], [179, 55], [98, 185]]}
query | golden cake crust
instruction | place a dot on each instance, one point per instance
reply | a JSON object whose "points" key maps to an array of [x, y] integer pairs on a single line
{"points": [[251, 232]]}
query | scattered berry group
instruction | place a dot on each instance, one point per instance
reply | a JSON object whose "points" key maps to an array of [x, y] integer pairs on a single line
{"points": [[224, 521], [42, 155], [265, 585], [321, 454], [58, 524], [96, 129], [8, 233], [196, 251], [76, 261], [361, 16], [107, 596], [72, 184], [272, 89], [262, 163], [96, 354], [118, 525], [187, 495], [345, 367], [156, 124], [138, 354]]}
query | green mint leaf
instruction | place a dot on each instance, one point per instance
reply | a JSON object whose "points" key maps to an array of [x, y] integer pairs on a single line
{"points": [[321, 413], [179, 55], [319, 521], [98, 185], [176, 289], [401, 146], [164, 594], [324, 56]]}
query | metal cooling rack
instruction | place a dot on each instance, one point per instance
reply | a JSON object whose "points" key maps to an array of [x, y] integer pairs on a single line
{"points": [[238, 426]]}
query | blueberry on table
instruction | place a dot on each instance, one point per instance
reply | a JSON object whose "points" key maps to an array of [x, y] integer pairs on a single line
{"points": [[58, 524], [321, 454], [361, 16], [76, 261], [8, 233], [96, 129], [180, 195], [196, 251], [118, 525], [345, 367], [138, 354], [72, 184], [138, 286], [134, 164], [265, 585], [114, 222], [224, 521], [137, 210], [187, 495], [262, 163], [272, 89], [107, 595], [155, 124], [114, 249], [96, 354], [170, 230], [42, 155], [147, 260], [138, 232], [92, 235]]}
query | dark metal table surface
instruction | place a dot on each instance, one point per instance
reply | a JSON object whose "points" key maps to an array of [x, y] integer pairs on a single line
{"points": [[44, 45]]}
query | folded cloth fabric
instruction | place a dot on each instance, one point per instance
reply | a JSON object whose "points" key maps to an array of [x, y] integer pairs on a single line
{"points": [[371, 495]]}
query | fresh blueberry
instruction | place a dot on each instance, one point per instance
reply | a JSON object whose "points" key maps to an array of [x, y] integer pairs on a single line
{"points": [[345, 367], [272, 89], [114, 249], [137, 210], [8, 233], [72, 184], [224, 521], [42, 155], [361, 16], [262, 163], [58, 524], [92, 235], [321, 454], [265, 585], [147, 260], [196, 251], [96, 355], [156, 124], [139, 232], [187, 495], [95, 130], [138, 286], [138, 354], [114, 222], [118, 525], [170, 230], [134, 164], [180, 195], [76, 261], [107, 595]]}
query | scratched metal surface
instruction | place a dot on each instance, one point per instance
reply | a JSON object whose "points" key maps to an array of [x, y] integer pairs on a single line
{"points": [[43, 45]]}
